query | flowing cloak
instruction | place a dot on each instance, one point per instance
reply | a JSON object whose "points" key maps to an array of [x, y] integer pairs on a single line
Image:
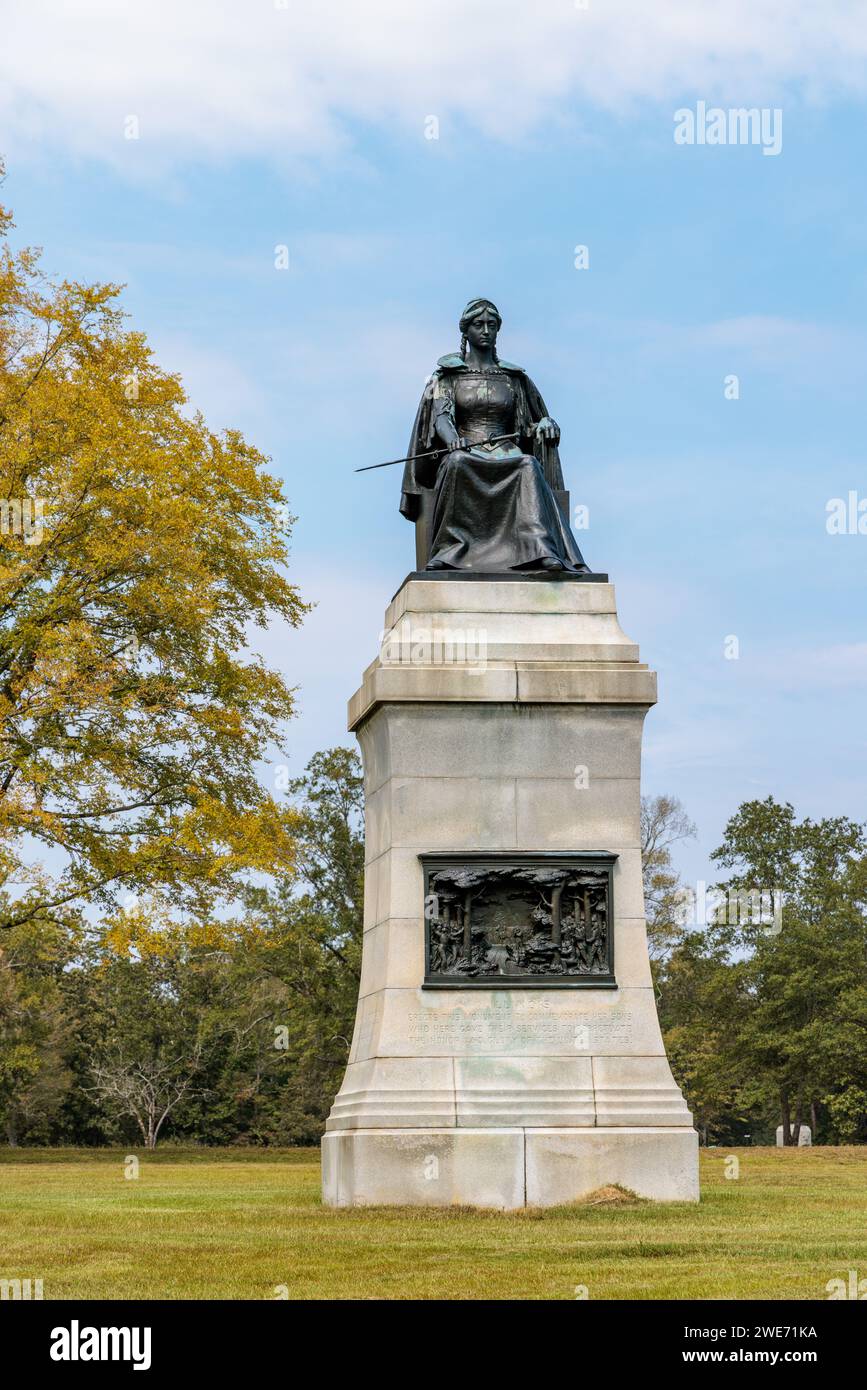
{"points": [[438, 399]]}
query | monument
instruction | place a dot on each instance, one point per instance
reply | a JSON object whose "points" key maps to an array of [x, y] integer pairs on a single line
{"points": [[507, 1050]]}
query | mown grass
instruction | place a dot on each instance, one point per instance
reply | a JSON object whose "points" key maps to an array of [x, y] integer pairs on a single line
{"points": [[239, 1224]]}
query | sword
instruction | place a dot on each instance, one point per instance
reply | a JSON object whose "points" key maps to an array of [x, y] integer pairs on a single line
{"points": [[498, 438]]}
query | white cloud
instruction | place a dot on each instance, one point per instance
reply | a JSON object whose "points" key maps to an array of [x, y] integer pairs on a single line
{"points": [[221, 78], [840, 666], [326, 656], [801, 350], [215, 382], [781, 344]]}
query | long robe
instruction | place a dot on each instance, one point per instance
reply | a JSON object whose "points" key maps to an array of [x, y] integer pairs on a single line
{"points": [[494, 504]]}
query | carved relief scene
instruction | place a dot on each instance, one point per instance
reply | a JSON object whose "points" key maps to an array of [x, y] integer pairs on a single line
{"points": [[518, 922]]}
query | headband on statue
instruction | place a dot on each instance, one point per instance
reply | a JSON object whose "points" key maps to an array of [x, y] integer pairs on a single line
{"points": [[475, 309]]}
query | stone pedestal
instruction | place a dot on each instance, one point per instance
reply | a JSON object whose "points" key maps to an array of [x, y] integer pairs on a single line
{"points": [[502, 715]]}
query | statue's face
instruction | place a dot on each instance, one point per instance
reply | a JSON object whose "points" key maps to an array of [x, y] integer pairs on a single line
{"points": [[482, 332]]}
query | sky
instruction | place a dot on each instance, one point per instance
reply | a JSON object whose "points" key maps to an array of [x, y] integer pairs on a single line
{"points": [[412, 154]]}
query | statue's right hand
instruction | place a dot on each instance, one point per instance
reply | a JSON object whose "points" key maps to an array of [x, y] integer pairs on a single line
{"points": [[459, 443]]}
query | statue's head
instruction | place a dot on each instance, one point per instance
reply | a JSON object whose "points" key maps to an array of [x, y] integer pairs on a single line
{"points": [[480, 324]]}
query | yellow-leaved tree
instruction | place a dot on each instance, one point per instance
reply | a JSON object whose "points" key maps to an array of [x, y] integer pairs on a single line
{"points": [[138, 549]]}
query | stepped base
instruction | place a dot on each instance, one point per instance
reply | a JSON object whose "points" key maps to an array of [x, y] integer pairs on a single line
{"points": [[505, 1168]]}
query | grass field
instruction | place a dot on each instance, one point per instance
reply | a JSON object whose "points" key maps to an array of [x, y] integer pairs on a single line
{"points": [[238, 1224]]}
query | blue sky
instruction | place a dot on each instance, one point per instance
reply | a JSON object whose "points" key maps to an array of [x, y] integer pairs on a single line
{"points": [[555, 129]]}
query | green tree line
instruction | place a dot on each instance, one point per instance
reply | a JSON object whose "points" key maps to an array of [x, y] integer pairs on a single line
{"points": [[231, 1031], [237, 1031], [765, 1021]]}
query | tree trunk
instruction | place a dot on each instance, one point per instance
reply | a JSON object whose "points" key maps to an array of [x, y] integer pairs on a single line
{"points": [[468, 926], [786, 1117], [556, 897], [799, 1117], [814, 1121]]}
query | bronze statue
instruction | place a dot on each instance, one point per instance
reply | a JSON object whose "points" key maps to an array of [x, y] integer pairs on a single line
{"points": [[483, 463]]}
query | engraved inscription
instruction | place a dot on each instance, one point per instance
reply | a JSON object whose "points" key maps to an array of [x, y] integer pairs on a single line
{"points": [[471, 1030]]}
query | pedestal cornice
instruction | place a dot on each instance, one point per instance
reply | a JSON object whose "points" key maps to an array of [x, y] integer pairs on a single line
{"points": [[503, 641]]}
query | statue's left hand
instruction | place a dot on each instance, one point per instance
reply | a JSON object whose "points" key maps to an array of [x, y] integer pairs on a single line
{"points": [[548, 429]]}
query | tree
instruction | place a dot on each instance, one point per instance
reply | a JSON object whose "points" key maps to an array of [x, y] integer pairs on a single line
{"points": [[663, 823], [153, 1012], [215, 1030], [806, 977], [768, 1025], [139, 548], [704, 1000], [34, 1076], [147, 1091], [238, 1030], [769, 849], [308, 952]]}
